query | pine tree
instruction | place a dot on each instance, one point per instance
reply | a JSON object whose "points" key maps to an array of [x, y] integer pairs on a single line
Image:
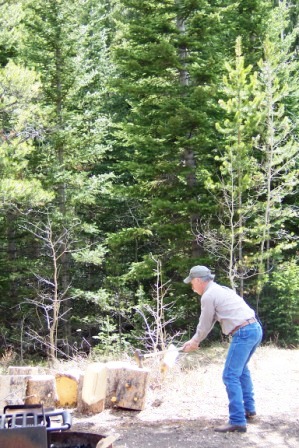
{"points": [[53, 43], [10, 18], [277, 145], [162, 138], [21, 123], [237, 175]]}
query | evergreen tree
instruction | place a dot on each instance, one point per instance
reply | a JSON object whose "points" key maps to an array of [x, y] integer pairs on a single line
{"points": [[10, 17], [21, 123], [109, 156], [164, 135], [277, 144], [280, 305], [72, 144], [238, 176], [169, 57]]}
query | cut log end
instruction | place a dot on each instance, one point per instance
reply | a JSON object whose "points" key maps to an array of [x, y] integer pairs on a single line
{"points": [[67, 390], [41, 389]]}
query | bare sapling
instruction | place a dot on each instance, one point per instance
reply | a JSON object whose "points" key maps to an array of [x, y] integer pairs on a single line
{"points": [[156, 337]]}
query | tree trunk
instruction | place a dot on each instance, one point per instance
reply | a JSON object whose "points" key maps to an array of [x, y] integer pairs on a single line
{"points": [[189, 157]]}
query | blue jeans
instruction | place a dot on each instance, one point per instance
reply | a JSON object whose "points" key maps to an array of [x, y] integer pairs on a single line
{"points": [[236, 375]]}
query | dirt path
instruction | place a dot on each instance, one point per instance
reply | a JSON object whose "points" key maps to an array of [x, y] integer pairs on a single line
{"points": [[184, 408]]}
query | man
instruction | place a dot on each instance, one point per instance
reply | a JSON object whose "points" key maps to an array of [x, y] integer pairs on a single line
{"points": [[222, 304]]}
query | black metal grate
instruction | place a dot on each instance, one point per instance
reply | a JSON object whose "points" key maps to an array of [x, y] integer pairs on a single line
{"points": [[23, 417], [28, 426]]}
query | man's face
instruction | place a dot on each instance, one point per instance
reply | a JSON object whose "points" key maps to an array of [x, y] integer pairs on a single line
{"points": [[197, 285]]}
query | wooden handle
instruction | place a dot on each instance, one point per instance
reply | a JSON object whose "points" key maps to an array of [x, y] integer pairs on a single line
{"points": [[105, 443]]}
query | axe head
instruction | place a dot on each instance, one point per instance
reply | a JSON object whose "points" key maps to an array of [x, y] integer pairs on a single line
{"points": [[170, 358]]}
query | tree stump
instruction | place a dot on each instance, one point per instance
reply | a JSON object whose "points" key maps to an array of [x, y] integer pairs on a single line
{"points": [[41, 389], [67, 389], [126, 385], [92, 389]]}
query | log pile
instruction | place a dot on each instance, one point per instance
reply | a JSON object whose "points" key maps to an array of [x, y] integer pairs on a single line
{"points": [[100, 386]]}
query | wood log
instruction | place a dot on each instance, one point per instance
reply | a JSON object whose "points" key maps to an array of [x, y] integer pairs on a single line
{"points": [[80, 404], [41, 389], [67, 389], [23, 370], [126, 385], [92, 389], [4, 390], [17, 389]]}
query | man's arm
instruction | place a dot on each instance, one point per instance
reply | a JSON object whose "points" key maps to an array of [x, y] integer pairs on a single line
{"points": [[205, 325]]}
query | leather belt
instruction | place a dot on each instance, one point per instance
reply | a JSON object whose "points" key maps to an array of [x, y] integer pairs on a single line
{"points": [[247, 322]]}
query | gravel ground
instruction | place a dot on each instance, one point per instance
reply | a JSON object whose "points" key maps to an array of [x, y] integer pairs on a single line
{"points": [[183, 407]]}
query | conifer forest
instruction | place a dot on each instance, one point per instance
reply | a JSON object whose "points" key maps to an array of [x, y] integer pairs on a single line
{"points": [[138, 139]]}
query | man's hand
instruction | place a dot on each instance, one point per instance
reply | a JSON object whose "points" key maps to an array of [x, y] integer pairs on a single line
{"points": [[190, 346]]}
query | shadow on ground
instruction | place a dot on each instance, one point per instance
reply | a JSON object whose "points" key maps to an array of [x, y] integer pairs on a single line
{"points": [[264, 433]]}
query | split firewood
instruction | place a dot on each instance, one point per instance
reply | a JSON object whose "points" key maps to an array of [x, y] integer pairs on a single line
{"points": [[92, 389], [107, 441]]}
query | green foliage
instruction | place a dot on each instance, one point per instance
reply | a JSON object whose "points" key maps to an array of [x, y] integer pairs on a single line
{"points": [[108, 340], [94, 256], [280, 312], [131, 128], [10, 17], [234, 182], [20, 122], [277, 144], [159, 139]]}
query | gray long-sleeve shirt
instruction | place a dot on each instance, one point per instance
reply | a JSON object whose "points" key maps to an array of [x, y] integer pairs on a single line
{"points": [[222, 304]]}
